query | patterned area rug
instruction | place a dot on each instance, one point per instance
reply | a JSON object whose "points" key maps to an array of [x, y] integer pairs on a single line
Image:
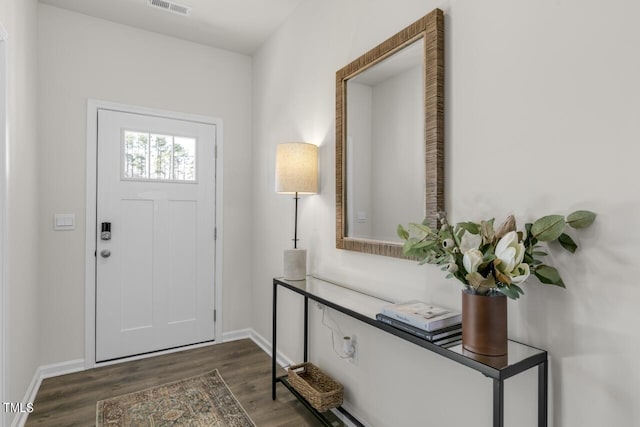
{"points": [[202, 401]]}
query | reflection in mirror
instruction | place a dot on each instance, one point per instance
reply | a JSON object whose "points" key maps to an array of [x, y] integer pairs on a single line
{"points": [[390, 138], [385, 146]]}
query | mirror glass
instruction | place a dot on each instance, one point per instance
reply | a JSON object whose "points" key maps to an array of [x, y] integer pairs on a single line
{"points": [[390, 138], [385, 146]]}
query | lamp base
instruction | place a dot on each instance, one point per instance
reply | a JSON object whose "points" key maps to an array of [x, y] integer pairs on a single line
{"points": [[295, 264]]}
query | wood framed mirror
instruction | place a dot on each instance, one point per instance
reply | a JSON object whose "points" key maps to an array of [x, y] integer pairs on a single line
{"points": [[390, 138]]}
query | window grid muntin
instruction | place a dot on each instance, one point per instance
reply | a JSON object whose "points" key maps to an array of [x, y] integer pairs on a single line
{"points": [[148, 157]]}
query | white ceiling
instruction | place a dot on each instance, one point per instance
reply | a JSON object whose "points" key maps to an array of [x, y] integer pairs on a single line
{"points": [[236, 25]]}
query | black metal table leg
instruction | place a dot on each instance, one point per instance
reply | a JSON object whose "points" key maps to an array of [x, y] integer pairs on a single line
{"points": [[306, 329], [273, 344], [543, 384], [498, 403], [531, 356]]}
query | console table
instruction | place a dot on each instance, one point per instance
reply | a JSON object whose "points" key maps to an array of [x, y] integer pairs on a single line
{"points": [[520, 357]]}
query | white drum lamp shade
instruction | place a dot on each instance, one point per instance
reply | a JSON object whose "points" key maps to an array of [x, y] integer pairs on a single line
{"points": [[297, 168]]}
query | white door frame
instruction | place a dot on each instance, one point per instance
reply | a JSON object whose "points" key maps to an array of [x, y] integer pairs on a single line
{"points": [[4, 202], [93, 105]]}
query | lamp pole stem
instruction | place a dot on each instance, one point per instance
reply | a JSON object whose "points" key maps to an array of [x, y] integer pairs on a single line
{"points": [[295, 227]]}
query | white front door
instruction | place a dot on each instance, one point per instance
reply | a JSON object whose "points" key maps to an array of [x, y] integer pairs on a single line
{"points": [[156, 197]]}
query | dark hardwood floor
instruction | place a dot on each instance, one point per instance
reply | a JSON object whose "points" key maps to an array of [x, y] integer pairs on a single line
{"points": [[70, 400]]}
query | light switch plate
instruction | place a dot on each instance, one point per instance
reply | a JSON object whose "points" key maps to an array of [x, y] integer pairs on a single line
{"points": [[64, 222]]}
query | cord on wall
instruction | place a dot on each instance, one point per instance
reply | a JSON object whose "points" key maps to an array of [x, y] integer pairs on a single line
{"points": [[348, 348]]}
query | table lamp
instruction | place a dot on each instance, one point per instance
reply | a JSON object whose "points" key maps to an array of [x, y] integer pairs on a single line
{"points": [[296, 173]]}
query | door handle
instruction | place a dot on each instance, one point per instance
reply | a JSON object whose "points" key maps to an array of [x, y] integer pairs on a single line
{"points": [[105, 253]]}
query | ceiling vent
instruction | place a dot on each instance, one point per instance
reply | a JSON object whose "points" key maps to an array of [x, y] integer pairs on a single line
{"points": [[170, 6]]}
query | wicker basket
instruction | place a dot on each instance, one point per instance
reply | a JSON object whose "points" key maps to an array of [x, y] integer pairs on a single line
{"points": [[320, 390]]}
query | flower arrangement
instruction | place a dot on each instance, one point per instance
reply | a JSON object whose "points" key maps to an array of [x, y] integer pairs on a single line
{"points": [[488, 260]]}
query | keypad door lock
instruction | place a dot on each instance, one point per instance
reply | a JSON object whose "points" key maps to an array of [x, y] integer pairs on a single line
{"points": [[105, 233]]}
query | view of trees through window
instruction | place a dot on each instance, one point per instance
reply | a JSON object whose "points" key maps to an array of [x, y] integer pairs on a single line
{"points": [[159, 157]]}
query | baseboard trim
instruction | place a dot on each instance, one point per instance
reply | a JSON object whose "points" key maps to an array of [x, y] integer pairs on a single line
{"points": [[240, 334], [259, 340], [62, 368], [30, 395], [44, 372], [281, 358]]}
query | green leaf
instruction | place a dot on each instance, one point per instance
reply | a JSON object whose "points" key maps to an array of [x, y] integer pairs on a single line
{"points": [[540, 253], [444, 234], [408, 246], [517, 288], [511, 291], [567, 242], [420, 228], [548, 228], [402, 233], [581, 219], [456, 236], [425, 245], [549, 275], [530, 240], [471, 227]]}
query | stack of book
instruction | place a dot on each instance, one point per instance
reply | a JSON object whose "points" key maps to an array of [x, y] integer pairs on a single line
{"points": [[439, 325]]}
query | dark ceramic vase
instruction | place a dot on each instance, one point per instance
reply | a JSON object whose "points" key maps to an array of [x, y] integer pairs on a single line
{"points": [[484, 323]]}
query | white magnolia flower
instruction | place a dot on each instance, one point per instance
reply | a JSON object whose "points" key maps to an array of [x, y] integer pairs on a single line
{"points": [[510, 252], [520, 274], [471, 260], [470, 241]]}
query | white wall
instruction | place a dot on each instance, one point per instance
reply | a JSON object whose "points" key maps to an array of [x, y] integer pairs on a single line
{"points": [[542, 106], [385, 151], [82, 57], [19, 18], [398, 153], [359, 159]]}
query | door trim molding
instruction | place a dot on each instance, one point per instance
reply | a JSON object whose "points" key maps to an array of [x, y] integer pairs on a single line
{"points": [[93, 105], [4, 210]]}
